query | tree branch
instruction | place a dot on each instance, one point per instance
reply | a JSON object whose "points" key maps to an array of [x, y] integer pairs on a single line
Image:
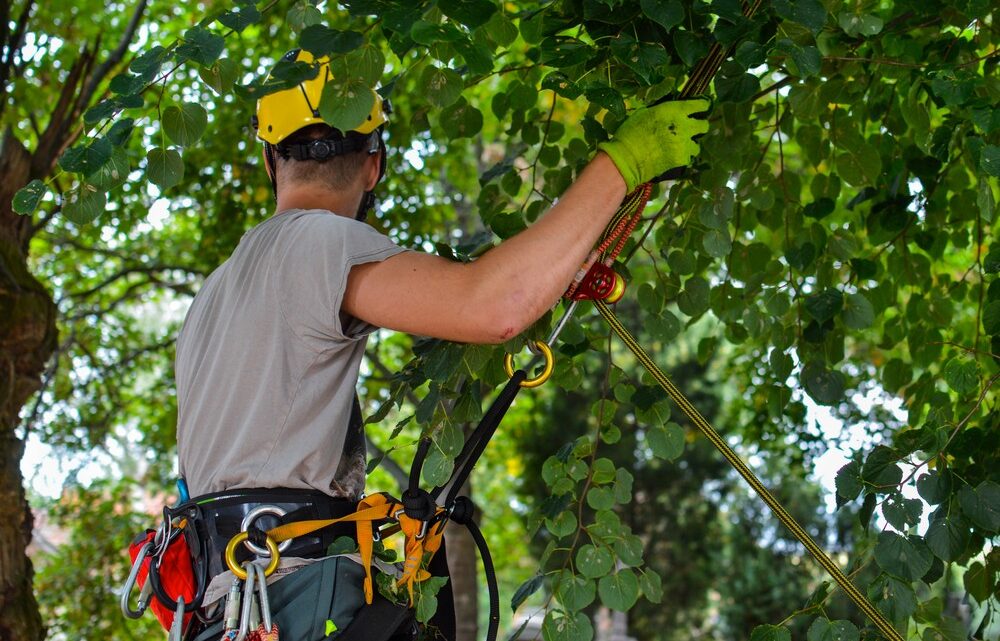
{"points": [[13, 45], [128, 271], [116, 56], [397, 473]]}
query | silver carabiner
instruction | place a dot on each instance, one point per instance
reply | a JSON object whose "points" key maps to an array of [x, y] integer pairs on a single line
{"points": [[247, 601], [265, 602], [177, 626], [133, 575]]}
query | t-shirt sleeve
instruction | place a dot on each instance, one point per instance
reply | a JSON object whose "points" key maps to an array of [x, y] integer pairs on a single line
{"points": [[317, 254]]}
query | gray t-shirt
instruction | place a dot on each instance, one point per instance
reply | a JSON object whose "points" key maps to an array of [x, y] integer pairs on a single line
{"points": [[267, 364]]}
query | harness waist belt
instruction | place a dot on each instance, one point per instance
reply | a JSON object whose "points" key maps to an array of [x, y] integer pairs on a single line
{"points": [[217, 517]]}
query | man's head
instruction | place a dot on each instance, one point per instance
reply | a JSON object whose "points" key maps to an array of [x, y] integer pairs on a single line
{"points": [[300, 148], [308, 157]]}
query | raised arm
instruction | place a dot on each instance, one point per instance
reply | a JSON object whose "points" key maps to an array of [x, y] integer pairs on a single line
{"points": [[497, 296]]}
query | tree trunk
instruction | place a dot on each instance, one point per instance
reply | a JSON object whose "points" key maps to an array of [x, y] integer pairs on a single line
{"points": [[462, 553], [27, 340]]}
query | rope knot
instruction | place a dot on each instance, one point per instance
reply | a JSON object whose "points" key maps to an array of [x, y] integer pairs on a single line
{"points": [[418, 504], [462, 510]]}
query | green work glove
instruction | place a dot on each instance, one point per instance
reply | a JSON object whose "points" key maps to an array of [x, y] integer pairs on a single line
{"points": [[655, 139]]}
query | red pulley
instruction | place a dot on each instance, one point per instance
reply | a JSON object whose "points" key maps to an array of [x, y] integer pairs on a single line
{"points": [[600, 283]]}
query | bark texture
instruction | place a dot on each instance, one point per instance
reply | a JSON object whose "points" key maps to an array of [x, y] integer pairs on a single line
{"points": [[462, 557], [27, 340]]}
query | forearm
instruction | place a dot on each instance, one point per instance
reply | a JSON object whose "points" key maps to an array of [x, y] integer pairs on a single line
{"points": [[532, 269]]}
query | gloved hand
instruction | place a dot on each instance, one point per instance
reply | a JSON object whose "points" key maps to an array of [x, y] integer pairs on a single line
{"points": [[655, 139]]}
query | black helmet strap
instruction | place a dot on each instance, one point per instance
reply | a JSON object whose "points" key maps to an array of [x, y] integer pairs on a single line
{"points": [[323, 149]]}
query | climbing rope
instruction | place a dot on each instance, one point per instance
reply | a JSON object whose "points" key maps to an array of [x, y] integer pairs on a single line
{"points": [[626, 217]]}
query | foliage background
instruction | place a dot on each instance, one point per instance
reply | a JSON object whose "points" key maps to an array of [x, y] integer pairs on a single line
{"points": [[833, 253]]}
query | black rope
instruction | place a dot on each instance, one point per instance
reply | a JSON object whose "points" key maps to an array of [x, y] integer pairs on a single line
{"points": [[476, 444], [491, 576]]}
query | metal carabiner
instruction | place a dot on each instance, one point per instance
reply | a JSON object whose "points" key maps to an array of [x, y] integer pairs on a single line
{"points": [[248, 600], [265, 602], [177, 625], [133, 575], [546, 351]]}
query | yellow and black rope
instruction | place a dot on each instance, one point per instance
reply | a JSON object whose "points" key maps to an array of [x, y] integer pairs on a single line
{"points": [[697, 84]]}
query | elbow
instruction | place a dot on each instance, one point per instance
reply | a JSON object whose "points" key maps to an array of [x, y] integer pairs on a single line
{"points": [[505, 319]]}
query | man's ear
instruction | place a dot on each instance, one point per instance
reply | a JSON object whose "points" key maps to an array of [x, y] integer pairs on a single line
{"points": [[372, 170]]}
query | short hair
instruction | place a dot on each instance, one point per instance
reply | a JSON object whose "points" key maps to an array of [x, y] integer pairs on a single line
{"points": [[336, 172]]}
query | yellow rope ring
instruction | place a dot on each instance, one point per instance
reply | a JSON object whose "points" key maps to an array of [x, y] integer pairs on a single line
{"points": [[546, 351], [234, 565]]}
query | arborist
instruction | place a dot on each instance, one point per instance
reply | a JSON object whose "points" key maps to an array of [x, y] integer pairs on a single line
{"points": [[269, 354]]}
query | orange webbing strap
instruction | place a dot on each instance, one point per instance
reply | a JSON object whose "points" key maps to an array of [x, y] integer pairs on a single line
{"points": [[379, 507]]}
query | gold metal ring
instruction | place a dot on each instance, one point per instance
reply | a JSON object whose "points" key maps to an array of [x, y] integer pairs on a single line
{"points": [[234, 565], [546, 351]]}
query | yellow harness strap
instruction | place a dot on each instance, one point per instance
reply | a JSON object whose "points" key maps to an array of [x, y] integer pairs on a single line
{"points": [[420, 540]]}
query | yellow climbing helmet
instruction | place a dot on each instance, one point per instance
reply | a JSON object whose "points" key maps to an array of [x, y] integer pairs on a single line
{"points": [[282, 113]]}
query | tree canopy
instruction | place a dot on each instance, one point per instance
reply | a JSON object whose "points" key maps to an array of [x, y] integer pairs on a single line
{"points": [[825, 276]]}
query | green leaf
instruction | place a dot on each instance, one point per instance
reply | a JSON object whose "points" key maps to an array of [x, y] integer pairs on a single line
{"points": [[346, 106], [989, 160], [241, 18], [200, 45], [592, 561], [982, 505], [902, 513], [471, 13], [690, 47], [860, 165], [628, 549], [221, 76], [856, 25], [907, 558], [619, 591], [559, 626], [321, 40], [947, 538], [858, 313], [978, 582], [303, 14], [717, 243], [575, 592], [666, 441], [86, 159], [934, 487], [563, 524], [27, 198], [668, 14], [121, 131], [694, 299], [112, 174], [149, 63], [442, 86], [962, 374], [461, 120], [600, 498], [770, 633], [185, 124], [525, 590], [366, 64], [738, 87], [164, 168], [826, 387], [809, 13], [437, 468], [825, 305], [651, 585], [848, 481], [84, 204], [820, 209], [881, 468], [823, 629]]}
